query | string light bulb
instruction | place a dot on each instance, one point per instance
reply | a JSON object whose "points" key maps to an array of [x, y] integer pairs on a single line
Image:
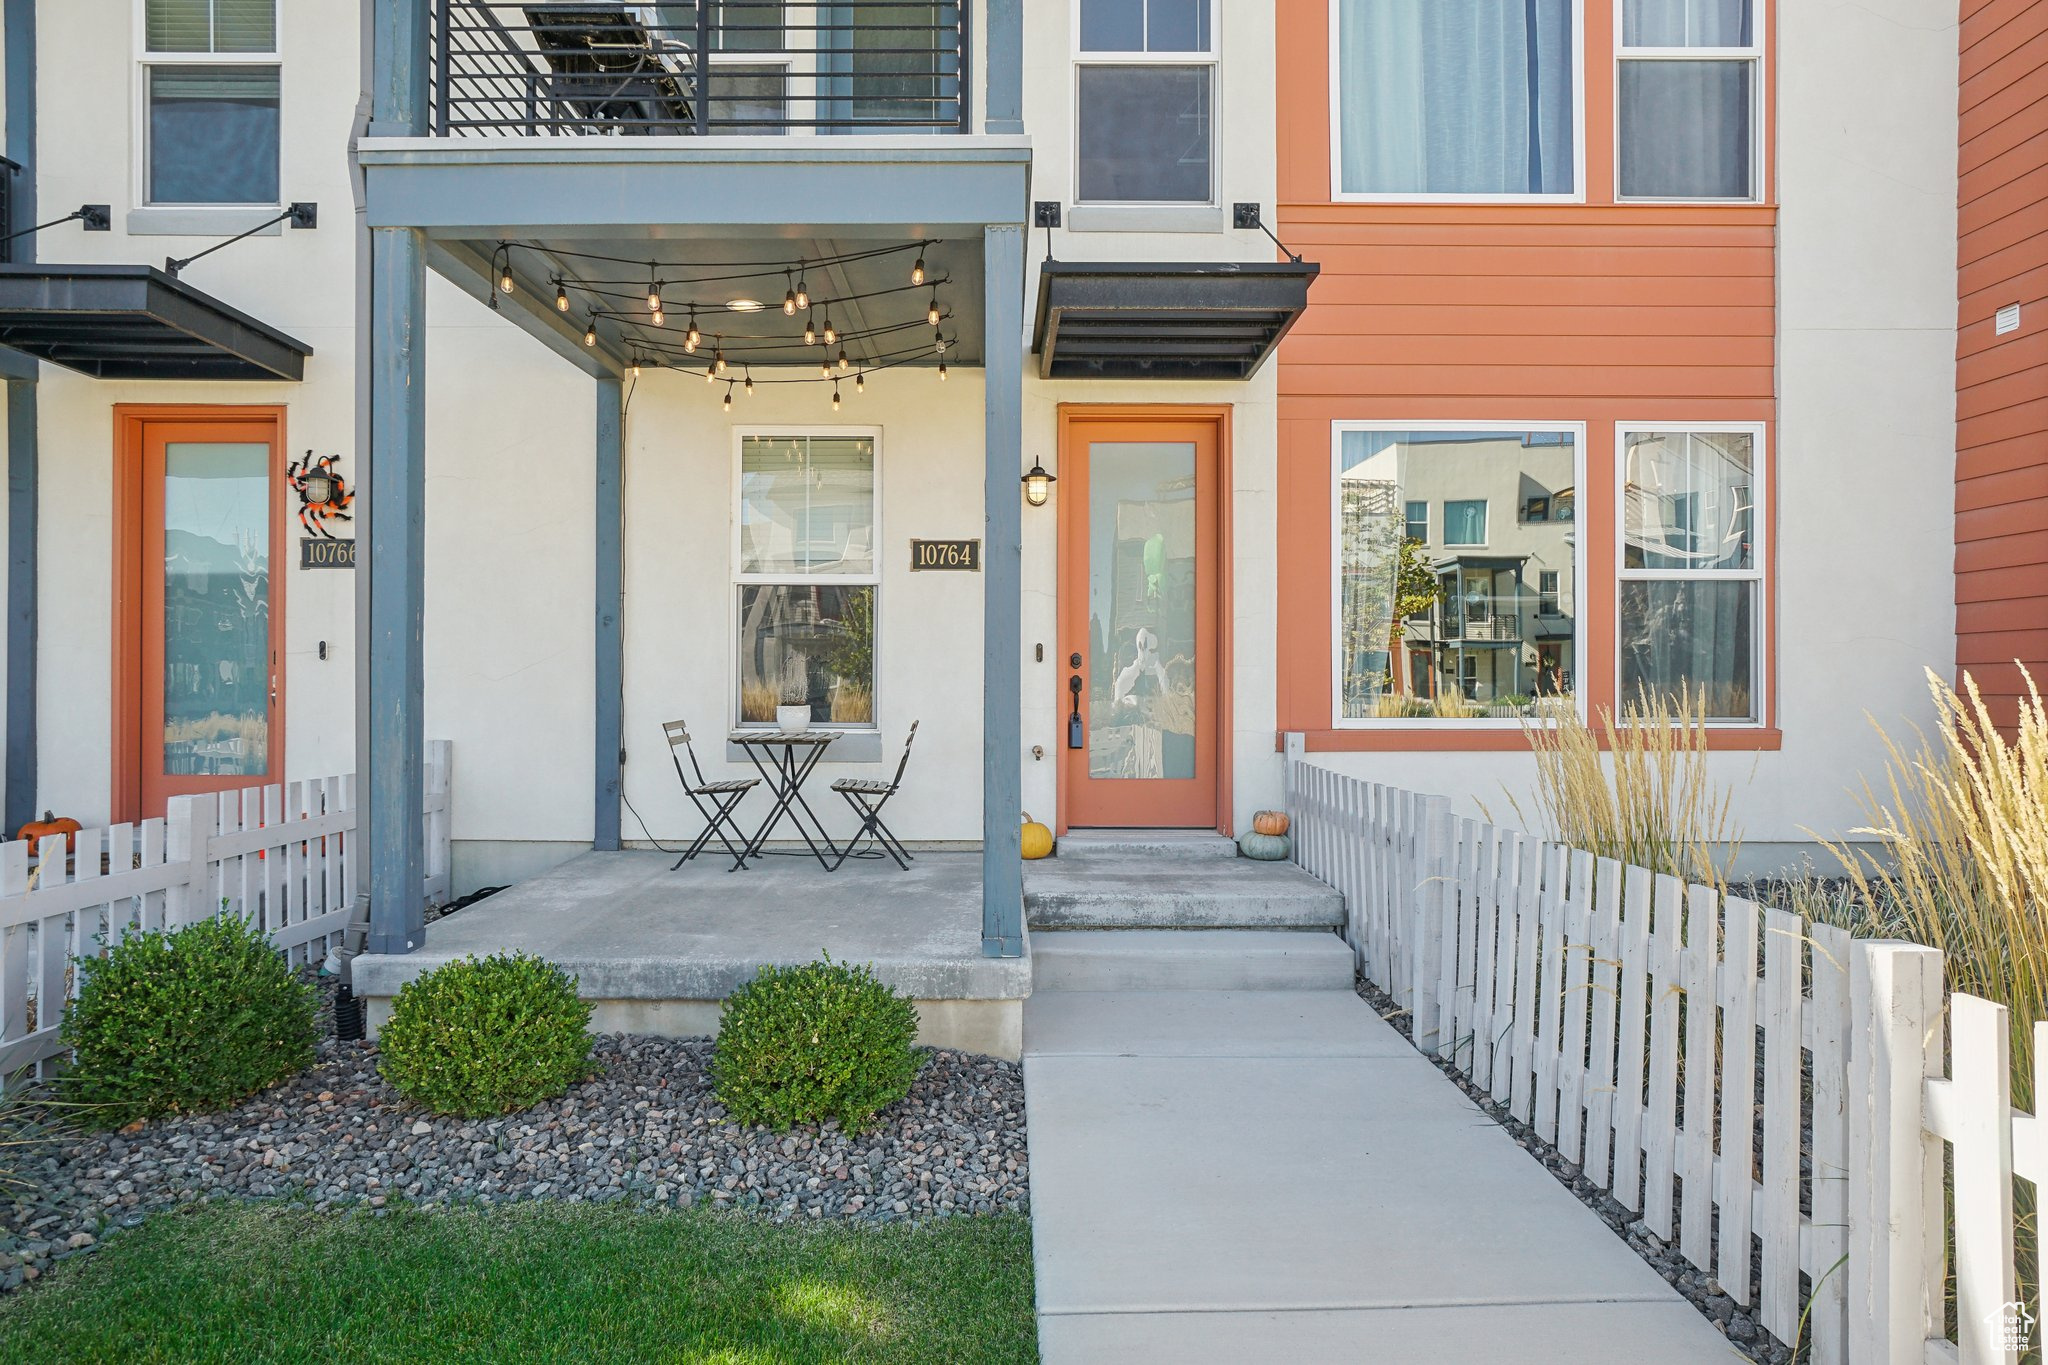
{"points": [[917, 271], [653, 292], [634, 369], [824, 369], [835, 396], [693, 338], [710, 375], [660, 318], [803, 295], [810, 333], [505, 275], [728, 398], [831, 332], [860, 382], [590, 333], [842, 357], [940, 345], [561, 298], [788, 298], [750, 382], [931, 313], [718, 357]]}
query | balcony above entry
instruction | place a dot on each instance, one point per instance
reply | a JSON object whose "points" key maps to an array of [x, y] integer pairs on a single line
{"points": [[137, 322]]}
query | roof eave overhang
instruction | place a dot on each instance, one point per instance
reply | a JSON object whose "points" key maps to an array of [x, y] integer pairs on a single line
{"points": [[1165, 320], [136, 322]]}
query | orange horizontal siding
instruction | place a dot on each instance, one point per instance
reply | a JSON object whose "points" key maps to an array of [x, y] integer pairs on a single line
{"points": [[2002, 381], [1594, 312]]}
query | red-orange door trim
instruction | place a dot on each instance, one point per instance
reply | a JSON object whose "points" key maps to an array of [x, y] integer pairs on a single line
{"points": [[136, 663], [1205, 802]]}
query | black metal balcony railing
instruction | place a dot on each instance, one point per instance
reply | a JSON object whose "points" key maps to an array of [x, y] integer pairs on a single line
{"points": [[703, 67]]}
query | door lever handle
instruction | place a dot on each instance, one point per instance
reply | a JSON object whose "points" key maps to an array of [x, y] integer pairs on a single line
{"points": [[1076, 736]]}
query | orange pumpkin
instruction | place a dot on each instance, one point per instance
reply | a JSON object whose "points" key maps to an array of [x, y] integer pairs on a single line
{"points": [[1270, 822], [35, 831]]}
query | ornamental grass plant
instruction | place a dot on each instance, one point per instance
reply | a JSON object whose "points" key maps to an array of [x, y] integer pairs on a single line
{"points": [[1635, 788]]}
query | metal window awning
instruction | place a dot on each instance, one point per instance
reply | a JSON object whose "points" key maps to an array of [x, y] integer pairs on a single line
{"points": [[1170, 320], [136, 322]]}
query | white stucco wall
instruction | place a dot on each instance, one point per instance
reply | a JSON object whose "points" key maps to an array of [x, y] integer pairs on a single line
{"points": [[508, 595], [1863, 448], [681, 606], [1244, 123]]}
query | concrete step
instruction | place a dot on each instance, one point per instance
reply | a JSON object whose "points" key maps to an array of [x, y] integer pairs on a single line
{"points": [[1127, 843], [1190, 960], [1173, 893]]}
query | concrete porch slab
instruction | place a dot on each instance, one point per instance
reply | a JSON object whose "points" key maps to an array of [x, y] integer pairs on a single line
{"points": [[657, 950]]}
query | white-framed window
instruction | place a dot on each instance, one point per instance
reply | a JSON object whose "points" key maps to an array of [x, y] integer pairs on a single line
{"points": [[1688, 99], [806, 573], [1483, 609], [1145, 77], [1417, 520], [210, 102], [1690, 554], [1472, 100]]}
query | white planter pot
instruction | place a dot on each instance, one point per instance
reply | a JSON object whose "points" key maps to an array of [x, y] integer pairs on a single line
{"points": [[793, 720]]}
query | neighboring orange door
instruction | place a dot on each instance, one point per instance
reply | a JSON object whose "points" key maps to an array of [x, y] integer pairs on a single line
{"points": [[200, 636], [1140, 508]]}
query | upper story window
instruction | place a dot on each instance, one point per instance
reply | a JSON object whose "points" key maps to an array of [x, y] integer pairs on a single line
{"points": [[1474, 99], [1687, 92], [1145, 99], [210, 76]]}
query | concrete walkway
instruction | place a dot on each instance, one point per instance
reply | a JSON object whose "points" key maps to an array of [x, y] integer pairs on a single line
{"points": [[1278, 1176]]}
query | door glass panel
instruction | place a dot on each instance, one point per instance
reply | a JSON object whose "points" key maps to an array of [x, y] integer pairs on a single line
{"points": [[216, 609], [1141, 610]]}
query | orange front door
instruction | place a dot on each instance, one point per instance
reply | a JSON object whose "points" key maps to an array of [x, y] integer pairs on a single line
{"points": [[1140, 508], [202, 611]]}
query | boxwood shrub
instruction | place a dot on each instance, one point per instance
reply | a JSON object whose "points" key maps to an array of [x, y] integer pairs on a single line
{"points": [[804, 1044], [184, 1021], [481, 1036]]}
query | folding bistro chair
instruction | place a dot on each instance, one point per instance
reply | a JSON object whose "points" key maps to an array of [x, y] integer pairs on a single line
{"points": [[715, 801], [867, 797]]}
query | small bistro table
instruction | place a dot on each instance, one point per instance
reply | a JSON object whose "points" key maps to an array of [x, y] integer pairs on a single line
{"points": [[784, 761]]}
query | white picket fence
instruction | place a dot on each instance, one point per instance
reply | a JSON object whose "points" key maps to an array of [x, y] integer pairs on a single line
{"points": [[279, 855], [1792, 1127]]}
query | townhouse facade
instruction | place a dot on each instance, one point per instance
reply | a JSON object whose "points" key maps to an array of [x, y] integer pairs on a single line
{"points": [[1111, 387]]}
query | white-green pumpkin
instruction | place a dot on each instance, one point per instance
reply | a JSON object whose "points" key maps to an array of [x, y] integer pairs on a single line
{"points": [[1267, 848]]}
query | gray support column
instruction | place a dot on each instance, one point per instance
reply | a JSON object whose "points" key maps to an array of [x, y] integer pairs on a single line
{"points": [[1005, 39], [393, 432], [393, 796], [611, 657], [1002, 650], [23, 455]]}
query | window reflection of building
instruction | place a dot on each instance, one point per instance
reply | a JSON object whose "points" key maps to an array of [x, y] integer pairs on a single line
{"points": [[1486, 593]]}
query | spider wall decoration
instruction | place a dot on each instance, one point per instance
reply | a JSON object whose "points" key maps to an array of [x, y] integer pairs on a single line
{"points": [[324, 495]]}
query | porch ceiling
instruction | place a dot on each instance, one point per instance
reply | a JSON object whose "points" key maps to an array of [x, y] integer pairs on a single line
{"points": [[861, 285]]}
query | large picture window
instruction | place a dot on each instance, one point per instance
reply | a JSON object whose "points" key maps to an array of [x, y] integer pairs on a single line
{"points": [[1484, 609], [1145, 91], [1462, 98], [1691, 567], [212, 91], [1687, 95], [807, 576]]}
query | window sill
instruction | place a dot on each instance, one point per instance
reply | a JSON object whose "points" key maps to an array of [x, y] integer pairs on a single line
{"points": [[200, 220], [1148, 218], [857, 746], [1461, 739]]}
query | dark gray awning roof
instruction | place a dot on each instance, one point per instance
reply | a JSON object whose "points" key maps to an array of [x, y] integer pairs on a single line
{"points": [[136, 322], [1170, 320]]}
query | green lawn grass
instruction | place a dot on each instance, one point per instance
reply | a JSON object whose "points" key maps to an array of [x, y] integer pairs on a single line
{"points": [[532, 1283]]}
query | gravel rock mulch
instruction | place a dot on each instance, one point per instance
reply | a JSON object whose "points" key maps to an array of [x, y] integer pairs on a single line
{"points": [[646, 1129], [1699, 1288]]}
